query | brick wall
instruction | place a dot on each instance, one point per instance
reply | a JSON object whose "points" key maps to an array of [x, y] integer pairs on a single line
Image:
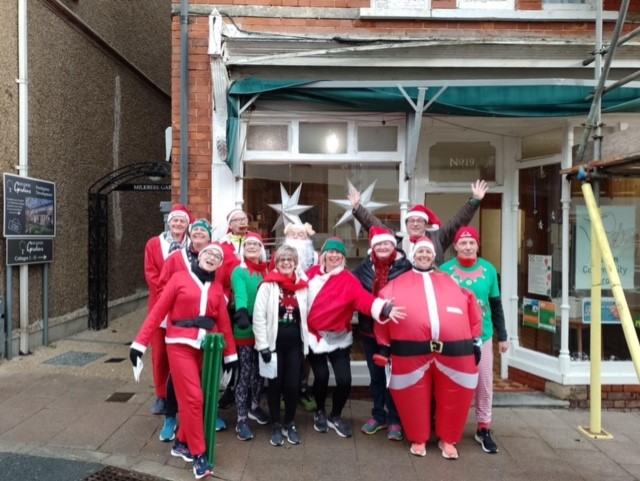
{"points": [[200, 98], [624, 396]]}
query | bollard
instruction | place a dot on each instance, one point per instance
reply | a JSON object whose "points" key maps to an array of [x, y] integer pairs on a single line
{"points": [[212, 346]]}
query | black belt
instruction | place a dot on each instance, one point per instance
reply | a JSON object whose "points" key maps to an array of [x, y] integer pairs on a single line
{"points": [[201, 322], [418, 348]]}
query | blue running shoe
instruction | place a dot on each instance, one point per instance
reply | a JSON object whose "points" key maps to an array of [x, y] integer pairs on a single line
{"points": [[220, 424], [181, 450], [201, 467], [168, 431]]}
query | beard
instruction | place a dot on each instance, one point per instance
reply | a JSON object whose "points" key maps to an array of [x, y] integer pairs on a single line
{"points": [[306, 253]]}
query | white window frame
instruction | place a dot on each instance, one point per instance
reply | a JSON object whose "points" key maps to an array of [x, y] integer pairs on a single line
{"points": [[485, 4], [351, 155], [588, 5]]}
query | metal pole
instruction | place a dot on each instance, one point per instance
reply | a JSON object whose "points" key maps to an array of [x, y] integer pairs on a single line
{"points": [[212, 347], [45, 305], [9, 318]]}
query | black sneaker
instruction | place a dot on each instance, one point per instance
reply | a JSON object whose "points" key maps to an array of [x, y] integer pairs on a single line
{"points": [[483, 436], [227, 399], [291, 433], [339, 426], [276, 435], [320, 422]]}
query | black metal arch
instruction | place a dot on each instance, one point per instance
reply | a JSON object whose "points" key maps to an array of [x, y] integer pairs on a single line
{"points": [[98, 252]]}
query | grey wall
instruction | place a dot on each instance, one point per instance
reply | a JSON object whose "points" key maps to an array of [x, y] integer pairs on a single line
{"points": [[88, 115]]}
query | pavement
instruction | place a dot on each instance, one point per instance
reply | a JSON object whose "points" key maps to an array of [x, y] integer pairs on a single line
{"points": [[72, 410]]}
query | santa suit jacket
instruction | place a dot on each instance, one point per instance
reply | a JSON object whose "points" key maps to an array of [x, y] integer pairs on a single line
{"points": [[155, 252], [333, 297], [436, 309], [186, 297]]}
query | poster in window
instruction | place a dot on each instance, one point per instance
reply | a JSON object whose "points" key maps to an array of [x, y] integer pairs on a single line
{"points": [[530, 312], [620, 226], [539, 278]]}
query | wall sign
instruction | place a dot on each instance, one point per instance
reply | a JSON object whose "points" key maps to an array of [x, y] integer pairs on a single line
{"points": [[29, 207], [29, 251]]}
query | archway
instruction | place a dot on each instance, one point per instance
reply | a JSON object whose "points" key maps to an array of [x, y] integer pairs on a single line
{"points": [[98, 254]]}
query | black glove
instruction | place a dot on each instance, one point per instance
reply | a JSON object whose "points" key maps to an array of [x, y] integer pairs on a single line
{"points": [[134, 355], [241, 318], [266, 355], [477, 350], [229, 366]]}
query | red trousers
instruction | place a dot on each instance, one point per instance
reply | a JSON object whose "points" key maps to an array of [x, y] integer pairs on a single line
{"points": [[186, 367], [159, 362]]}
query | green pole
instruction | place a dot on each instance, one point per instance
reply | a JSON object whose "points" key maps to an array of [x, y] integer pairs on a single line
{"points": [[212, 346]]}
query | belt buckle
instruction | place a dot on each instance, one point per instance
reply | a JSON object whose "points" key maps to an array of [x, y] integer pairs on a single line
{"points": [[436, 346]]}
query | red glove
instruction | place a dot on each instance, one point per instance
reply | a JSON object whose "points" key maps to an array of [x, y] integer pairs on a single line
{"points": [[381, 358]]}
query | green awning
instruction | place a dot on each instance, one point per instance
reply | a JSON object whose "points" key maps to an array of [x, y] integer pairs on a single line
{"points": [[500, 98]]}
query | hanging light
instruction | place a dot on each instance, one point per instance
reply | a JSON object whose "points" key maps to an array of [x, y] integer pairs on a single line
{"points": [[332, 143]]}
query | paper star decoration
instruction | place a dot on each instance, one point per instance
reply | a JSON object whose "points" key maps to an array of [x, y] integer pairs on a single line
{"points": [[365, 201], [289, 210]]}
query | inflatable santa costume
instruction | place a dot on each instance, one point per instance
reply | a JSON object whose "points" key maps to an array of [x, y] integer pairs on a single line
{"points": [[431, 350]]}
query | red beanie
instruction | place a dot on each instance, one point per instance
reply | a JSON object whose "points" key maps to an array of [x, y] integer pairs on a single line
{"points": [[467, 231]]}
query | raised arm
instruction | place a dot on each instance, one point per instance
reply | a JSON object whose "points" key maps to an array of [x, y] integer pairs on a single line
{"points": [[362, 214]]}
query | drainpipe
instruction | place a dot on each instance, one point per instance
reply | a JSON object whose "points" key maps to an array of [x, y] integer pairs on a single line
{"points": [[23, 167], [184, 101]]}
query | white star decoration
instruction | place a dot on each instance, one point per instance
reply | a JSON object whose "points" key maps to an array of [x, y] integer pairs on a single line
{"points": [[365, 201], [289, 210]]}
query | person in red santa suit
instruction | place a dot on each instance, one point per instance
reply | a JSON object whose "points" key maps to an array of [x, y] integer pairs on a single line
{"points": [[334, 294], [156, 251], [434, 349], [183, 260], [422, 222], [195, 306]]}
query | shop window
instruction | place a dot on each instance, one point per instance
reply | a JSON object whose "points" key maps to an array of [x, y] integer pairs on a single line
{"points": [[462, 162], [378, 139], [320, 184], [323, 138], [268, 137]]}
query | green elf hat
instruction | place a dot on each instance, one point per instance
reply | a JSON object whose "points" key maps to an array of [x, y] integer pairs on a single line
{"points": [[334, 244], [203, 224]]}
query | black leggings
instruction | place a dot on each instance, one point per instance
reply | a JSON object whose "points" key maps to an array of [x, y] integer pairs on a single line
{"points": [[287, 384], [340, 360]]}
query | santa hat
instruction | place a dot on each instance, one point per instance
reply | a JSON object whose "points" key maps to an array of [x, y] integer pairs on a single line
{"points": [[213, 246], [467, 232], [232, 214], [253, 236], [422, 242], [203, 224], [180, 211], [334, 244], [294, 226], [380, 234], [433, 223]]}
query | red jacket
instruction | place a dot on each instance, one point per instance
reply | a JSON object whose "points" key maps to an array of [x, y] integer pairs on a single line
{"points": [[155, 252], [185, 297]]}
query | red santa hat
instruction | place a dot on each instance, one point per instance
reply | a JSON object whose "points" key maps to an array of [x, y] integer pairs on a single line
{"points": [[433, 223], [233, 213], [467, 231], [212, 246], [255, 237], [422, 242], [380, 234], [180, 211]]}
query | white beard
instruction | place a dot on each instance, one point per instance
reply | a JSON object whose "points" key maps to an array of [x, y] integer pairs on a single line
{"points": [[306, 253]]}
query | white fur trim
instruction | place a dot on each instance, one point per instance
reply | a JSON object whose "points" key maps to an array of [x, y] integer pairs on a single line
{"points": [[376, 239], [376, 308], [330, 341], [138, 346]]}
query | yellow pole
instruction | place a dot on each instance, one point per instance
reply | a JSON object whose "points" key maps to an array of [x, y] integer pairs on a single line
{"points": [[616, 286], [595, 352]]}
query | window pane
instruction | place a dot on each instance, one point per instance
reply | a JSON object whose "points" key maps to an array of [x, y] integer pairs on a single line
{"points": [[462, 162], [268, 137], [323, 138], [378, 139]]}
